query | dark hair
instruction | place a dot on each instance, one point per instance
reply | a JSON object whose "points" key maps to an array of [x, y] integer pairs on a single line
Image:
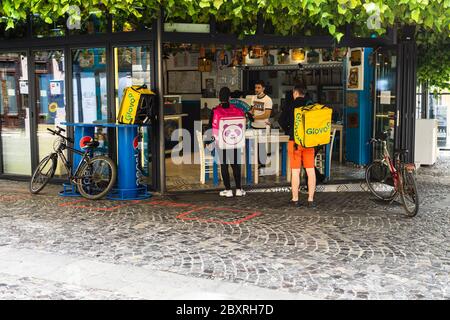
{"points": [[261, 83], [224, 94], [301, 89]]}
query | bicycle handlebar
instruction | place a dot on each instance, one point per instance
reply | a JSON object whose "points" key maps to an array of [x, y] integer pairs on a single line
{"points": [[384, 136], [58, 133]]}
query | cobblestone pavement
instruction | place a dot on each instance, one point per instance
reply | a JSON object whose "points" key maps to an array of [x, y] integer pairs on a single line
{"points": [[26, 288], [351, 247]]}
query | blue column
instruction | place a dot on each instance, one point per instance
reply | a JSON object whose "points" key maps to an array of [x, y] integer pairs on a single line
{"points": [[128, 186], [127, 159], [327, 161], [283, 158], [248, 162], [81, 131]]}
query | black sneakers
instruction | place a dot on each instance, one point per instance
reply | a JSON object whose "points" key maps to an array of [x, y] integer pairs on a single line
{"points": [[297, 204], [294, 204], [312, 204]]}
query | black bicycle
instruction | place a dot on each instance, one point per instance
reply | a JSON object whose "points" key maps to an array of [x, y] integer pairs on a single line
{"points": [[94, 176]]}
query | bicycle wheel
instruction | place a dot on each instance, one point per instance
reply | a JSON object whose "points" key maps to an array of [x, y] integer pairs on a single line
{"points": [[409, 196], [380, 181], [96, 177], [43, 173]]}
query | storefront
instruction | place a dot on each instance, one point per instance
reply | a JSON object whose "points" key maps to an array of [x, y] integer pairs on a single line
{"points": [[51, 75], [357, 78]]}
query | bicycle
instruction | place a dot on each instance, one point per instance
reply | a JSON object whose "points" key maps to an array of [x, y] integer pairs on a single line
{"points": [[389, 178], [94, 176]]}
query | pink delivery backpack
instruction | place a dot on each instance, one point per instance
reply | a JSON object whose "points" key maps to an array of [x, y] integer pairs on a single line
{"points": [[228, 127]]}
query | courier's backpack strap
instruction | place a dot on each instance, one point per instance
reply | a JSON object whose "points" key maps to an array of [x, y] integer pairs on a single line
{"points": [[144, 86]]}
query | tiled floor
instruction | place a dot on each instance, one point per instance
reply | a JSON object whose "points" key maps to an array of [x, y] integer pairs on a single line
{"points": [[182, 177]]}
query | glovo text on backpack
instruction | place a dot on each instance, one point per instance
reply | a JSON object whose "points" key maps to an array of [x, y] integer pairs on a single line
{"points": [[312, 125], [136, 106]]}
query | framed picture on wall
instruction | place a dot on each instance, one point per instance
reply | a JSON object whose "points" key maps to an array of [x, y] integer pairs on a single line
{"points": [[184, 82]]}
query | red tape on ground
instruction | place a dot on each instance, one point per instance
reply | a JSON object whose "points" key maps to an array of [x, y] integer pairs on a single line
{"points": [[183, 216]]}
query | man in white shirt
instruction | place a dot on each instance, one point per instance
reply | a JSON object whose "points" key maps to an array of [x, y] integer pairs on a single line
{"points": [[261, 106], [261, 111]]}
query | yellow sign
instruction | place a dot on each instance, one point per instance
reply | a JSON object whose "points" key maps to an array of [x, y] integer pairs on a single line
{"points": [[52, 107]]}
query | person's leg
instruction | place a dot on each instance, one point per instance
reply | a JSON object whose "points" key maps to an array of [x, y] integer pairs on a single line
{"points": [[225, 176], [236, 170], [261, 150], [224, 170], [295, 183], [295, 162], [237, 175], [311, 183], [308, 162]]}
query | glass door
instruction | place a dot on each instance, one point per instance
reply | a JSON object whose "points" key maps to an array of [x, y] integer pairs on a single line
{"points": [[50, 99], [89, 91], [89, 85], [14, 115], [385, 108]]}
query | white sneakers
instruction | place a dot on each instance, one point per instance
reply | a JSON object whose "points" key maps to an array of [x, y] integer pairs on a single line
{"points": [[229, 193], [226, 193]]}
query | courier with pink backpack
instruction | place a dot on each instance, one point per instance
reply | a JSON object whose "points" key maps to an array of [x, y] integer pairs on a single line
{"points": [[228, 127]]}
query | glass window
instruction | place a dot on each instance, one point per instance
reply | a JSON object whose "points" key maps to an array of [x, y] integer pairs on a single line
{"points": [[50, 99], [89, 85], [132, 67], [14, 114], [419, 106], [385, 103], [439, 109]]}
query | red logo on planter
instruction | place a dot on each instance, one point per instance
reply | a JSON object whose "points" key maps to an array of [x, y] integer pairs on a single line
{"points": [[135, 142], [85, 140]]}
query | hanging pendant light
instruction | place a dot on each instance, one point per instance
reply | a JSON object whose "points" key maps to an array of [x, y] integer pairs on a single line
{"points": [[298, 54]]}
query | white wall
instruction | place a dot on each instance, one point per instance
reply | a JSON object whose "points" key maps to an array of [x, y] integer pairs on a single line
{"points": [[220, 77]]}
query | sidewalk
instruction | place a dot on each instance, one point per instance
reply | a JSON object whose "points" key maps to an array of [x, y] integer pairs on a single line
{"points": [[30, 274], [353, 247]]}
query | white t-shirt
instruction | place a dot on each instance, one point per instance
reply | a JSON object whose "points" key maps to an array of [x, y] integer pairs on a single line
{"points": [[260, 105]]}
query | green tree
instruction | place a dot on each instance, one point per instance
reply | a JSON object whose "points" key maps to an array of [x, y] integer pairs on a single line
{"points": [[367, 18]]}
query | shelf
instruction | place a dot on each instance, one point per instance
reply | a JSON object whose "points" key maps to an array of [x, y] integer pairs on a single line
{"points": [[306, 66], [332, 88]]}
